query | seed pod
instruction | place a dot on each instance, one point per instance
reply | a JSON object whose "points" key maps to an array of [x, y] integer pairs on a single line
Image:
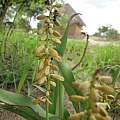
{"points": [[43, 37], [58, 59], [57, 5], [56, 34], [108, 118], [56, 77], [39, 74], [118, 96], [99, 117], [77, 98], [57, 23], [40, 31], [93, 94], [47, 21], [47, 93], [95, 109], [106, 89], [76, 116], [82, 87], [103, 105], [47, 70], [54, 54], [92, 117], [53, 83], [102, 111], [105, 79], [39, 100], [50, 30], [111, 97], [50, 25], [57, 41], [42, 80], [39, 50], [47, 62], [53, 67], [42, 63], [41, 17]]}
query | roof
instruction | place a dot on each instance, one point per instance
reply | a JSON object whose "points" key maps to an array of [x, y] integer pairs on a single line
{"points": [[69, 11]]}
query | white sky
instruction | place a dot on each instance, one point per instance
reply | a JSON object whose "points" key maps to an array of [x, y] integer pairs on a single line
{"points": [[98, 12]]}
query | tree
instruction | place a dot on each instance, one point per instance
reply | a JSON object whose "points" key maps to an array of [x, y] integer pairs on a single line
{"points": [[107, 31], [24, 5]]}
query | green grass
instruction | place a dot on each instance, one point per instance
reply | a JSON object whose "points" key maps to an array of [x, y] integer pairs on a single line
{"points": [[96, 57], [19, 59], [20, 62]]}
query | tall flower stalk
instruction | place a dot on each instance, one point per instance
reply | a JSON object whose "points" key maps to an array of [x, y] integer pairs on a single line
{"points": [[47, 73]]}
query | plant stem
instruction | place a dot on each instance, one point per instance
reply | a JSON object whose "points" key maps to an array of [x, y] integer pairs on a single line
{"points": [[60, 100], [47, 111]]}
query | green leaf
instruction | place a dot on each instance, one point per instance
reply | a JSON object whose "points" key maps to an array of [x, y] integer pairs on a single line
{"points": [[14, 99], [23, 111], [58, 99], [61, 48], [23, 79], [68, 79]]}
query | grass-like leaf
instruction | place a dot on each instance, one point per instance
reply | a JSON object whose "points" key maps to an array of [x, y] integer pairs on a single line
{"points": [[21, 105]]}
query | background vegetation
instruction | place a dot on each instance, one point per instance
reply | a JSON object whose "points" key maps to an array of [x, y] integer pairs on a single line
{"points": [[18, 61]]}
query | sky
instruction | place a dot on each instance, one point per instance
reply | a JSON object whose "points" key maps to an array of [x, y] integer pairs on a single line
{"points": [[96, 13]]}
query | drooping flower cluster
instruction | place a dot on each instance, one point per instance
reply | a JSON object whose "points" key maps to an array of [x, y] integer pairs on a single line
{"points": [[96, 92], [49, 58]]}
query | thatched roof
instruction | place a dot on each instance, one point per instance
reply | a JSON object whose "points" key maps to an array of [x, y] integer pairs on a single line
{"points": [[68, 11]]}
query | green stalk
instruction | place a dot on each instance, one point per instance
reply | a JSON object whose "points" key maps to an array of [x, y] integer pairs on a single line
{"points": [[47, 111], [60, 100], [47, 97]]}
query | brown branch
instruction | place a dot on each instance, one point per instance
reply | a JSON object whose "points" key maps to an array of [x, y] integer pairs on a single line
{"points": [[84, 53]]}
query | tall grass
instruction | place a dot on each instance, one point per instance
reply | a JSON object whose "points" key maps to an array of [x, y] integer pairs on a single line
{"points": [[96, 56], [20, 63], [19, 59]]}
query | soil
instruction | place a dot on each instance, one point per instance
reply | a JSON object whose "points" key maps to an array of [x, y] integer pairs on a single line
{"points": [[6, 115]]}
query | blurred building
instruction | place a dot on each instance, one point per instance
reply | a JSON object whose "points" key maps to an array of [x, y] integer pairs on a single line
{"points": [[76, 24]]}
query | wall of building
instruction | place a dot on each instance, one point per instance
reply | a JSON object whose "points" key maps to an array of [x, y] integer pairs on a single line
{"points": [[74, 31]]}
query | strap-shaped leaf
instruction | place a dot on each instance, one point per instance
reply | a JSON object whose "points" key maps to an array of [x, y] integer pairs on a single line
{"points": [[58, 94], [25, 112], [61, 48], [14, 99], [68, 79]]}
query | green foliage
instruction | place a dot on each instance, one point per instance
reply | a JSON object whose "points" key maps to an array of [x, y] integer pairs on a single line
{"points": [[19, 66], [108, 31], [19, 58], [96, 57], [21, 105]]}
